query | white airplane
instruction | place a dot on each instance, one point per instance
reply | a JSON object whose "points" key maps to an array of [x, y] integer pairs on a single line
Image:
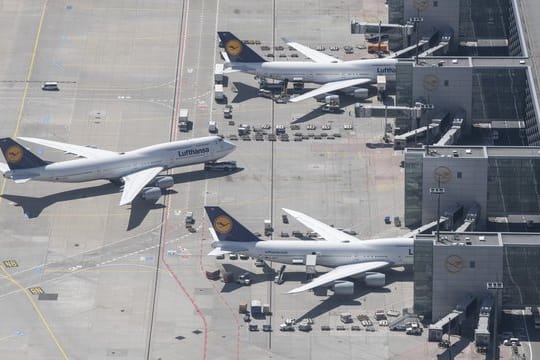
{"points": [[333, 73], [348, 255], [137, 169]]}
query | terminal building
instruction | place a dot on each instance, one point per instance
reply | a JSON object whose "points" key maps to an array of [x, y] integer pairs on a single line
{"points": [[503, 181], [461, 265], [467, 118]]}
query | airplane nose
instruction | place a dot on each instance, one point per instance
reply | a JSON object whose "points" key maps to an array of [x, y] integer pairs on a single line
{"points": [[229, 146]]}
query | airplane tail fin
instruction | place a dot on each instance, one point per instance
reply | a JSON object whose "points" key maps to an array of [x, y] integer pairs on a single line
{"points": [[237, 51], [227, 228], [19, 157]]}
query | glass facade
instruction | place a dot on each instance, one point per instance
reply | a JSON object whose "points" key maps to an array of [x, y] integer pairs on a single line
{"points": [[513, 186], [498, 94], [413, 189], [483, 19], [423, 277], [404, 85], [521, 276]]}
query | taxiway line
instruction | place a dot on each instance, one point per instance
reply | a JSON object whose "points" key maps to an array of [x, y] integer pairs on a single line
{"points": [[37, 310]]}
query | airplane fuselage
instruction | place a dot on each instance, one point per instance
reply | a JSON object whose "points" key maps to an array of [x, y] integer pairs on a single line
{"points": [[396, 251], [320, 73], [117, 165]]}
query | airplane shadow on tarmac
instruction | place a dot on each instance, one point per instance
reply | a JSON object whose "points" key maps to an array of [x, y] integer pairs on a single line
{"points": [[334, 301], [33, 206], [237, 270], [244, 93]]}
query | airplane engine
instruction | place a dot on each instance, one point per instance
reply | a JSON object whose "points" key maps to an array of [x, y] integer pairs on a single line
{"points": [[164, 182], [343, 288], [375, 279], [360, 93], [151, 193]]}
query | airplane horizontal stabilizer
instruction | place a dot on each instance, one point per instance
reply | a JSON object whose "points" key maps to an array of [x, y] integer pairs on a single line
{"points": [[84, 151], [341, 272], [329, 87], [22, 180], [314, 55], [218, 251], [325, 231]]}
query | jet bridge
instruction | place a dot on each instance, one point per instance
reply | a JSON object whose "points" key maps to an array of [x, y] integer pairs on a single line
{"points": [[401, 141], [471, 219], [482, 335], [410, 51], [451, 321], [451, 136], [427, 227], [442, 47]]}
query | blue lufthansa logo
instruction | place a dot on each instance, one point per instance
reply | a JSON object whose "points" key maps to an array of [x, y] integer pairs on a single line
{"points": [[386, 70], [190, 152]]}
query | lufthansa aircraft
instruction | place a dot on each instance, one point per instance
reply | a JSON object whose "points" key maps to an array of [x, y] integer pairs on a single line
{"points": [[333, 73], [137, 169], [348, 255]]}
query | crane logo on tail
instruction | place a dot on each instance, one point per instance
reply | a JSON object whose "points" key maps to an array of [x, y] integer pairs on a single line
{"points": [[223, 224], [233, 47], [14, 154]]}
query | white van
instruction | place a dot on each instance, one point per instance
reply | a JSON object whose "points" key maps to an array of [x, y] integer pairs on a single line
{"points": [[50, 86]]}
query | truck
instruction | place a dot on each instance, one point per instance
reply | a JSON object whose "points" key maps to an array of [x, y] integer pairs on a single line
{"points": [[218, 92], [331, 103], [212, 127], [190, 220], [244, 279], [256, 308], [220, 166], [218, 73], [288, 325], [268, 228], [227, 112], [184, 124]]}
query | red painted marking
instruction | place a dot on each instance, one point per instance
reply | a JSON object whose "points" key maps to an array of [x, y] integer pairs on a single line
{"points": [[173, 136]]}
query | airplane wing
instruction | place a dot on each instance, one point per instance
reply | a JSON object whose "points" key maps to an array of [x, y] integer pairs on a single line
{"points": [[329, 87], [314, 55], [327, 232], [217, 251], [84, 151], [341, 272], [135, 182]]}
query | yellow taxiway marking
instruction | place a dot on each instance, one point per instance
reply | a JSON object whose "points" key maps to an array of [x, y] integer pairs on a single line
{"points": [[27, 82], [36, 309], [17, 126]]}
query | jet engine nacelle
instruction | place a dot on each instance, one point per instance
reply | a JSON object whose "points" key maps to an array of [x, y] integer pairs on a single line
{"points": [[360, 93], [343, 288], [164, 182], [151, 193], [375, 279]]}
